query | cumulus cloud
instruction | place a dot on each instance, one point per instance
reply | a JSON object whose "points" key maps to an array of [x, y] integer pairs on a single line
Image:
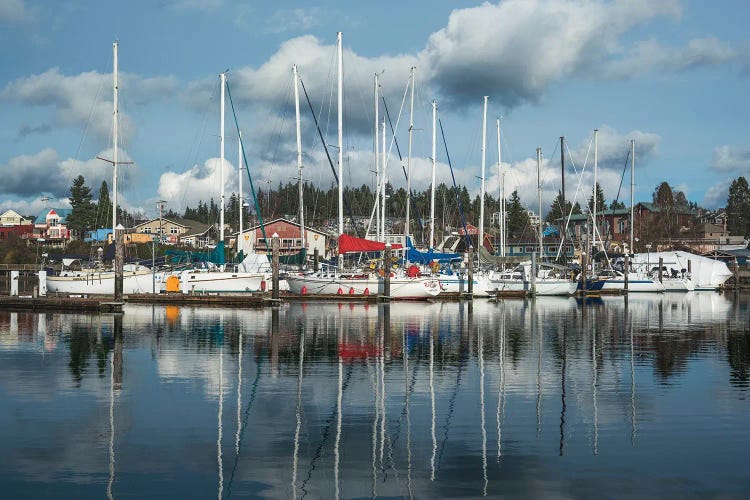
{"points": [[46, 172], [649, 55], [518, 48], [716, 195], [86, 97], [729, 158], [15, 11], [193, 5], [199, 183], [290, 20]]}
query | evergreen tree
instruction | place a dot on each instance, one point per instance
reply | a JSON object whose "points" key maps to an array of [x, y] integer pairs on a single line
{"points": [[601, 205], [664, 200], [738, 208], [555, 214], [104, 207], [517, 216], [616, 205], [83, 216]]}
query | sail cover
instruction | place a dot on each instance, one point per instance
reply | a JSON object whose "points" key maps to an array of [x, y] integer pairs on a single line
{"points": [[414, 255], [349, 244]]}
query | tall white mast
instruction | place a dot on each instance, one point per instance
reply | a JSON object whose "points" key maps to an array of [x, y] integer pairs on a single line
{"points": [[501, 177], [632, 188], [340, 56], [377, 158], [539, 196], [115, 112], [384, 180], [242, 198], [432, 183], [299, 158], [480, 243], [221, 159], [408, 156], [596, 167]]}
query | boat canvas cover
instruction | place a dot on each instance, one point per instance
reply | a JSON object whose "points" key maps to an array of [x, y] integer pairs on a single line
{"points": [[255, 263], [414, 255], [351, 244]]}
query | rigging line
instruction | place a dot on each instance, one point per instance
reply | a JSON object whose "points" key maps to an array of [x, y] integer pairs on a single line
{"points": [[455, 189], [247, 166], [253, 392], [198, 141], [330, 161]]}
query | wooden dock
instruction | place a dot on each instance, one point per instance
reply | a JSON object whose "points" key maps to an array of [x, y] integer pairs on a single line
{"points": [[60, 304], [181, 299]]}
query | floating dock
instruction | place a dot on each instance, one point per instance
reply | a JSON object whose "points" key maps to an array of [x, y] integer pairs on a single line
{"points": [[60, 304]]}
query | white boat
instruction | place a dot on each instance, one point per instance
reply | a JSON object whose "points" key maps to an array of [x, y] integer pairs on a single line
{"points": [[705, 273], [459, 283], [548, 282], [136, 279], [335, 283], [611, 280]]}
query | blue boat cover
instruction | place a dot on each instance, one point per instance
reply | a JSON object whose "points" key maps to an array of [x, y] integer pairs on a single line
{"points": [[414, 255]]}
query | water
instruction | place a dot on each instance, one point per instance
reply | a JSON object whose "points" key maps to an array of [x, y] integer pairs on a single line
{"points": [[546, 398]]}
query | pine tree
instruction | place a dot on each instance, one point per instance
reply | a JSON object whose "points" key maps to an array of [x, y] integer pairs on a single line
{"points": [[517, 216], [738, 208], [601, 205], [104, 207], [83, 216]]}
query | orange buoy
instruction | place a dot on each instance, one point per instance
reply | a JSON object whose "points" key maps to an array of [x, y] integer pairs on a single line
{"points": [[340, 291], [351, 291], [367, 291], [263, 286], [304, 290]]}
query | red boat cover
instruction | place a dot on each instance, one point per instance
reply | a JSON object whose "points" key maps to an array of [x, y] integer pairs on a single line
{"points": [[348, 244]]}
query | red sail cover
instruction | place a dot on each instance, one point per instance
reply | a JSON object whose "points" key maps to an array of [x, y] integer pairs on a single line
{"points": [[349, 244]]}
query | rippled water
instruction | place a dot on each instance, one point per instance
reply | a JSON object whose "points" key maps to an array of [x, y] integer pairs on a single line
{"points": [[540, 398]]}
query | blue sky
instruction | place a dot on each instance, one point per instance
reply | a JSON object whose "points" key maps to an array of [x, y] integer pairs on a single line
{"points": [[671, 74]]}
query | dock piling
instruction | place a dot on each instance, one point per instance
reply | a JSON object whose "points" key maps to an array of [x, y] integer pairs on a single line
{"points": [[275, 266]]}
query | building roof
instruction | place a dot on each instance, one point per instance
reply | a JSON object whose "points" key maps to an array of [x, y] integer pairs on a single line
{"points": [[605, 213], [63, 213], [282, 219], [652, 207]]}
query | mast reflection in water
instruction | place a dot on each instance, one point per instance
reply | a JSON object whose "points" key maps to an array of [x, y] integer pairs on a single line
{"points": [[640, 396]]}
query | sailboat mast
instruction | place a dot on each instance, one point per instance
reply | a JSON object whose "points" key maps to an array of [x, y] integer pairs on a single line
{"points": [[564, 206], [596, 168], [377, 157], [221, 159], [480, 242], [241, 197], [539, 196], [299, 159], [408, 156], [384, 181], [340, 57], [632, 188], [115, 112], [501, 176], [432, 183]]}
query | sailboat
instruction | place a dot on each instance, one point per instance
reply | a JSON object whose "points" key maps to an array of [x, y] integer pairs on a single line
{"points": [[99, 281], [543, 278], [251, 275], [332, 281]]}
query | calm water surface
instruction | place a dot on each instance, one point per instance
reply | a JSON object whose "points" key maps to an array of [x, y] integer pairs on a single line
{"points": [[538, 398]]}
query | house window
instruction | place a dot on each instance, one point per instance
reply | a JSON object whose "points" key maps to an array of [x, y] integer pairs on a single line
{"points": [[146, 230], [174, 230], [53, 222]]}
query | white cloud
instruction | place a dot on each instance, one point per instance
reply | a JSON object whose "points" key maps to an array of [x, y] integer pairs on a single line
{"points": [[729, 158], [199, 183], [291, 20], [518, 48], [716, 195], [15, 11], [46, 172], [194, 5], [86, 97], [650, 55]]}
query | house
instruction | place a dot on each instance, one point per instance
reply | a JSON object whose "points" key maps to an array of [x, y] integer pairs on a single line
{"points": [[51, 226], [178, 231], [251, 240], [613, 227], [12, 218], [682, 217], [20, 231], [98, 235]]}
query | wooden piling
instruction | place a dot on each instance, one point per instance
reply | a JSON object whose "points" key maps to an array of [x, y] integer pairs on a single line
{"points": [[584, 266], [661, 272], [119, 261], [533, 274], [275, 266], [470, 272], [626, 271], [316, 259], [386, 296]]}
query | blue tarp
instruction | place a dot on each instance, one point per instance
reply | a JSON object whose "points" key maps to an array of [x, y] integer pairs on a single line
{"points": [[180, 256], [414, 255]]}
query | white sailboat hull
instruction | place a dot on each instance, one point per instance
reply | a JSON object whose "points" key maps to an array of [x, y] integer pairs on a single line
{"points": [[369, 284], [226, 282], [544, 287], [100, 282], [456, 284]]}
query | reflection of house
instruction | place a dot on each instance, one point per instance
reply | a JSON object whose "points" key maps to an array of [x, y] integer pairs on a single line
{"points": [[178, 231], [289, 233], [12, 218], [51, 226]]}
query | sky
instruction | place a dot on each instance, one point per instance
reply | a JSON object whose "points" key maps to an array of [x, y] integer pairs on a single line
{"points": [[671, 74]]}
